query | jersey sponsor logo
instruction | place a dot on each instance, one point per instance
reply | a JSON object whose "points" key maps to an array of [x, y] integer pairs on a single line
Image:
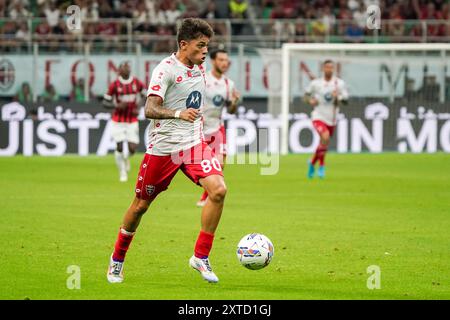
{"points": [[156, 88], [194, 100], [328, 97], [150, 189], [218, 100]]}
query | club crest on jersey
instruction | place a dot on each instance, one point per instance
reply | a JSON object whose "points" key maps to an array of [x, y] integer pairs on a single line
{"points": [[150, 189], [194, 100], [218, 100]]}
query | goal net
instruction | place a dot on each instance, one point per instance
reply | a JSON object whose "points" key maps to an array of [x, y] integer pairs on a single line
{"points": [[394, 89]]}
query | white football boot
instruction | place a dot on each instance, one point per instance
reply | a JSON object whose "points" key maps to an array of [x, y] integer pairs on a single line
{"points": [[115, 271], [123, 176], [204, 267], [201, 203]]}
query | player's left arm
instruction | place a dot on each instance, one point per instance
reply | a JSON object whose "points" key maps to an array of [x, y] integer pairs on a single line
{"points": [[341, 93], [142, 90], [141, 96], [235, 99]]}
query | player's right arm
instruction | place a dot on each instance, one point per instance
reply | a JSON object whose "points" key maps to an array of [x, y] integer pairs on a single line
{"points": [[154, 110], [161, 81], [309, 95], [108, 98]]}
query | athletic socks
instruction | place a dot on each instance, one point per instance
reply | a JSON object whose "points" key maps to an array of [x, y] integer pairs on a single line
{"points": [[319, 155], [203, 245], [120, 160], [122, 244], [204, 196]]}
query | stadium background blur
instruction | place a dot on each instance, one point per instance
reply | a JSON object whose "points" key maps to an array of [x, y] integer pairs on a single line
{"points": [[377, 206], [43, 61], [111, 26], [110, 23]]}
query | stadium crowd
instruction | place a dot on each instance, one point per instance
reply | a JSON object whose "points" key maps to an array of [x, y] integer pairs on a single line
{"points": [[44, 21]]}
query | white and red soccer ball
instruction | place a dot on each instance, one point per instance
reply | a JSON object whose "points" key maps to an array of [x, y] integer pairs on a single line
{"points": [[255, 251]]}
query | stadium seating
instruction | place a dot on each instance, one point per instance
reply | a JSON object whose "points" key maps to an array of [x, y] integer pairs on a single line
{"points": [[114, 26]]}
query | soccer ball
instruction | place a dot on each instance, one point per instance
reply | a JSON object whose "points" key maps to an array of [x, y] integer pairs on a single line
{"points": [[255, 251]]}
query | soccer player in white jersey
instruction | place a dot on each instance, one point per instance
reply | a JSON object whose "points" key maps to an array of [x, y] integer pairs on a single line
{"points": [[325, 95], [175, 96], [220, 93]]}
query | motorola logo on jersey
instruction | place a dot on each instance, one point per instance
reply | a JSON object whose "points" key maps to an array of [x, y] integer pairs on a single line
{"points": [[218, 100], [328, 97], [194, 100]]}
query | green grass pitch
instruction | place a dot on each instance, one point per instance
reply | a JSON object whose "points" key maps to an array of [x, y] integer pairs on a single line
{"points": [[389, 210]]}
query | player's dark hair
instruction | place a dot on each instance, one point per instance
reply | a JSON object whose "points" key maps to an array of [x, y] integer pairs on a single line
{"points": [[124, 63], [327, 61], [193, 28], [215, 52]]}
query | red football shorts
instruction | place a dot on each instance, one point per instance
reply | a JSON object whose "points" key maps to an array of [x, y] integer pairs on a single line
{"points": [[156, 172], [218, 141], [322, 127]]}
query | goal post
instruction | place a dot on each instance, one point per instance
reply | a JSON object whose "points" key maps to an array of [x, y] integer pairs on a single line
{"points": [[385, 72]]}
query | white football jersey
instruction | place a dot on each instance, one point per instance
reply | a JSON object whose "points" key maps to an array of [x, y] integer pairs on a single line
{"points": [[180, 87], [322, 90], [218, 91]]}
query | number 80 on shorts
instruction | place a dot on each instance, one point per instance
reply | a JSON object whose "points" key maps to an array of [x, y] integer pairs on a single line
{"points": [[208, 165]]}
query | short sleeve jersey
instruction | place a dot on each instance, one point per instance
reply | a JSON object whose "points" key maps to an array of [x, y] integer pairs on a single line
{"points": [[180, 87], [322, 90], [218, 92], [126, 90]]}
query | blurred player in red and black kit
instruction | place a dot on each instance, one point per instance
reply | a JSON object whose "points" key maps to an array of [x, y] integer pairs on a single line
{"points": [[123, 95]]}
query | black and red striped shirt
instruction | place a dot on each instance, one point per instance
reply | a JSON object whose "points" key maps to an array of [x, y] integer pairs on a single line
{"points": [[126, 91]]}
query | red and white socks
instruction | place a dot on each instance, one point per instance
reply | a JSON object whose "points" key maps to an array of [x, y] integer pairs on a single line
{"points": [[122, 244]]}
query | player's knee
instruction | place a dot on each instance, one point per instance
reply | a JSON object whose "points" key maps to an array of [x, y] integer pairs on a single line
{"points": [[218, 193], [325, 139], [132, 148], [141, 207]]}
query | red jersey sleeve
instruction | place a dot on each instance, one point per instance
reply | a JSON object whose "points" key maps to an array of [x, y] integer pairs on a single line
{"points": [[111, 91]]}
